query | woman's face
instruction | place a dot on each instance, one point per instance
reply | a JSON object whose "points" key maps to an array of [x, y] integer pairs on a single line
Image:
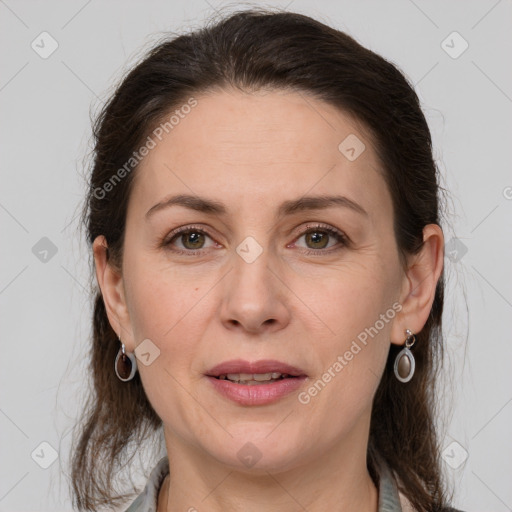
{"points": [[262, 278]]}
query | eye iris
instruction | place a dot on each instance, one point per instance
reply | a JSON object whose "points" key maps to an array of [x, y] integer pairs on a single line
{"points": [[315, 235], [194, 237]]}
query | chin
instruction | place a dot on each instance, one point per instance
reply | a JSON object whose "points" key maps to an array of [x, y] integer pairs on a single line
{"points": [[257, 454]]}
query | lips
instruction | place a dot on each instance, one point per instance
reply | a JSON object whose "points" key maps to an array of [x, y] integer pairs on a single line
{"points": [[248, 383], [240, 366]]}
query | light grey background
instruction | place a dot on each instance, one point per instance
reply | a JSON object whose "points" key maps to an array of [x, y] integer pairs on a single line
{"points": [[45, 130]]}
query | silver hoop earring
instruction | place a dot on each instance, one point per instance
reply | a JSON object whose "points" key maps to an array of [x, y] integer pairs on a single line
{"points": [[404, 361], [125, 364]]}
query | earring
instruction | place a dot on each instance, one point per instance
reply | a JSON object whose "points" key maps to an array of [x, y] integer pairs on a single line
{"points": [[125, 364], [404, 361]]}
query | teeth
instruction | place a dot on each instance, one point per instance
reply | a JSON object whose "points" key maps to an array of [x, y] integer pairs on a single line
{"points": [[253, 377]]}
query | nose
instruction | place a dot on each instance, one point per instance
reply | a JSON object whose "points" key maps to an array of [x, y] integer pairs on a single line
{"points": [[254, 296]]}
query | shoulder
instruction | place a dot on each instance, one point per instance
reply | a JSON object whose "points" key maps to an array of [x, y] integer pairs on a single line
{"points": [[408, 507], [405, 503], [147, 500]]}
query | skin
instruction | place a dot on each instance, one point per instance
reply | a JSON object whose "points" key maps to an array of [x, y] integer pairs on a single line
{"points": [[252, 151]]}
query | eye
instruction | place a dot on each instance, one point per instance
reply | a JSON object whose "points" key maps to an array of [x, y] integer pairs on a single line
{"points": [[192, 239], [318, 238]]}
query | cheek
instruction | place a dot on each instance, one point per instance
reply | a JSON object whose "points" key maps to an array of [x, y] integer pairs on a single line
{"points": [[173, 309], [353, 318], [356, 313], [167, 309], [161, 299], [347, 299]]}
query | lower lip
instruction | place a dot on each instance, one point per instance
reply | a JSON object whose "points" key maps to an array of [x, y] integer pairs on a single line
{"points": [[257, 394]]}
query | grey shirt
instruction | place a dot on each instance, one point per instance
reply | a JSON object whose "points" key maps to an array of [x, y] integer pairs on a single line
{"points": [[389, 499]]}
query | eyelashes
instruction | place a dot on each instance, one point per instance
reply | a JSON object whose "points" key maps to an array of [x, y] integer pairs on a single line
{"points": [[181, 232], [331, 232], [325, 232]]}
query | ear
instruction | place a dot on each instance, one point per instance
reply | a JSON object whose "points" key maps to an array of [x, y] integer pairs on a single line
{"points": [[419, 284], [110, 281]]}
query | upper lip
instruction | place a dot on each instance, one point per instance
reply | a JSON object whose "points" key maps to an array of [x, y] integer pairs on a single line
{"points": [[262, 366]]}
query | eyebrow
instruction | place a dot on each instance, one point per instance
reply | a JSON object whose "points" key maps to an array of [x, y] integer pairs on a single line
{"points": [[211, 206]]}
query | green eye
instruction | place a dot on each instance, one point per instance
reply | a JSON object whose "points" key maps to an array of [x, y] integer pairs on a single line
{"points": [[318, 237], [193, 240]]}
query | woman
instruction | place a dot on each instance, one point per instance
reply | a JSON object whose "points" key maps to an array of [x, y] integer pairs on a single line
{"points": [[264, 217]]}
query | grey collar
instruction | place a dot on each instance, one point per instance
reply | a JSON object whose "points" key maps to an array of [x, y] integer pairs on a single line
{"points": [[389, 500], [147, 501]]}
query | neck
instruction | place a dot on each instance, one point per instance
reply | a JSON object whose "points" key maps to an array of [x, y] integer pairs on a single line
{"points": [[338, 479]]}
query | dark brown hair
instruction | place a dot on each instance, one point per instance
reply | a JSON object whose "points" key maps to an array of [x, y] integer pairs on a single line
{"points": [[249, 50]]}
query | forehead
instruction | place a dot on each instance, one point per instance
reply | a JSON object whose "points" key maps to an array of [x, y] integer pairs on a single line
{"points": [[232, 123], [261, 146]]}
